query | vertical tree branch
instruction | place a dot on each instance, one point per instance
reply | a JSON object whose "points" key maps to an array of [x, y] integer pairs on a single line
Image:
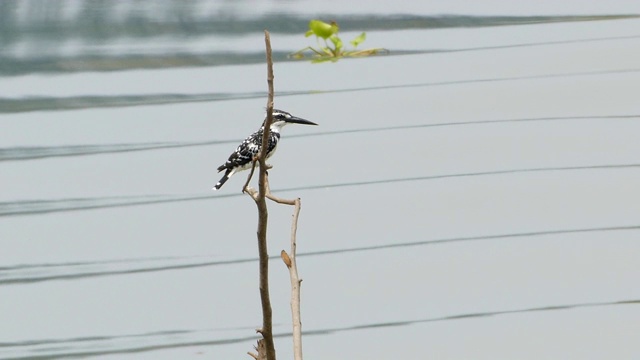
{"points": [[268, 350], [295, 286], [290, 261]]}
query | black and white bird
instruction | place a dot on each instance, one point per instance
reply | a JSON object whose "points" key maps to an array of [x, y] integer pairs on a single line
{"points": [[242, 158]]}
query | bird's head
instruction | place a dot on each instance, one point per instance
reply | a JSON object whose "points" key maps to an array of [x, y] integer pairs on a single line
{"points": [[282, 118]]}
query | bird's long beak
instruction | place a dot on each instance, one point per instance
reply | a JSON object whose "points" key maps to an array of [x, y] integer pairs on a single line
{"points": [[297, 120]]}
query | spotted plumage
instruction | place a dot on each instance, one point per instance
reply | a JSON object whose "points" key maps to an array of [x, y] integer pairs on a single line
{"points": [[242, 157]]}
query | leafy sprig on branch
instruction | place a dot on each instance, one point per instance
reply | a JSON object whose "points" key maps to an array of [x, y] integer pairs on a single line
{"points": [[330, 45]]}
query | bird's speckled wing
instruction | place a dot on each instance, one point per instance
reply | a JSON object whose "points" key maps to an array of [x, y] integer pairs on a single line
{"points": [[244, 153], [248, 149]]}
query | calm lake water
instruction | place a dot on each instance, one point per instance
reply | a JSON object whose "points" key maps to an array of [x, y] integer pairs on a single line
{"points": [[471, 195]]}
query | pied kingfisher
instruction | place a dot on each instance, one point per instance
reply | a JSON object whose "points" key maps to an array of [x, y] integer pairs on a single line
{"points": [[242, 158]]}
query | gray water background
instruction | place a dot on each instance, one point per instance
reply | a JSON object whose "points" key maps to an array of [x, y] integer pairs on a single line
{"points": [[474, 194]]}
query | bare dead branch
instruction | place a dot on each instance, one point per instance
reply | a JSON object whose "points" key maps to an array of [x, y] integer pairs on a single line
{"points": [[290, 262], [251, 192], [260, 348], [272, 197], [263, 216], [295, 286], [266, 348], [245, 188]]}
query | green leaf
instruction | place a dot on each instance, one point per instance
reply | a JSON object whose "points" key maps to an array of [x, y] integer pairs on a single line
{"points": [[308, 33], [322, 29], [359, 39], [337, 43]]}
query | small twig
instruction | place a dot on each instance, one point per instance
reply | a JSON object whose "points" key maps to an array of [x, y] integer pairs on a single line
{"points": [[246, 188], [272, 197], [285, 258], [262, 354]]}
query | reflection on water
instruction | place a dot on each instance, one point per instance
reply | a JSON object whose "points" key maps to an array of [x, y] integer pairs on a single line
{"points": [[34, 207], [96, 346], [28, 104], [39, 152], [32, 273], [70, 36]]}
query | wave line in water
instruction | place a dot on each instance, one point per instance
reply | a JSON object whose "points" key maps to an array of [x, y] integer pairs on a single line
{"points": [[32, 273], [21, 153], [127, 344], [44, 103], [37, 207]]}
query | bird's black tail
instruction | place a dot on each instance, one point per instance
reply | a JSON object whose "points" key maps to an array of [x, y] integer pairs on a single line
{"points": [[222, 181]]}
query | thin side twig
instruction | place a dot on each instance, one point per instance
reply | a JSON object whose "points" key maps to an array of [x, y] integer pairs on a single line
{"points": [[262, 354], [272, 197], [246, 189]]}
